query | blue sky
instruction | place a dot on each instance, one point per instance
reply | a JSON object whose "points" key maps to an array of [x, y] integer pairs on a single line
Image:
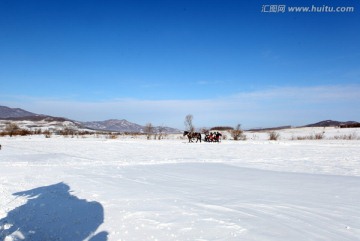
{"points": [[224, 62]]}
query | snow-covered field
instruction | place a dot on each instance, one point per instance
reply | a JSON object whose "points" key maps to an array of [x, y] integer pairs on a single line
{"points": [[134, 189]]}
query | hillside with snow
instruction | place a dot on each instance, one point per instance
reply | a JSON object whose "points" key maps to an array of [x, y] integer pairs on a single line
{"points": [[44, 123], [125, 126], [31, 121], [95, 188]]}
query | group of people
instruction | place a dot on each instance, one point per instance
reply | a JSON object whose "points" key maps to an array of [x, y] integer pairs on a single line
{"points": [[209, 137], [213, 137]]}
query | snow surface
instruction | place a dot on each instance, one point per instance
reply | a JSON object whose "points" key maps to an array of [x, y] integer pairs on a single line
{"points": [[134, 189]]}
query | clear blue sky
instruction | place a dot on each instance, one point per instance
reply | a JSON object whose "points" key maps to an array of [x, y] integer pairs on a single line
{"points": [[225, 62]]}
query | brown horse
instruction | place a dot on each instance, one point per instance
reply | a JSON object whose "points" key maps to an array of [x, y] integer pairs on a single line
{"points": [[193, 135]]}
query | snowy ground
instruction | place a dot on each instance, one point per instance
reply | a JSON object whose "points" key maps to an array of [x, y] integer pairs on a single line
{"points": [[133, 189]]}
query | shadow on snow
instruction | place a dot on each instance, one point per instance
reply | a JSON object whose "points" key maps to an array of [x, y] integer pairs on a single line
{"points": [[52, 213]]}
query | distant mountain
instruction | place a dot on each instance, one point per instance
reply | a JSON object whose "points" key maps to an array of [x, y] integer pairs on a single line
{"points": [[113, 125], [7, 112], [18, 115], [165, 129], [31, 121], [124, 126], [328, 123], [28, 119]]}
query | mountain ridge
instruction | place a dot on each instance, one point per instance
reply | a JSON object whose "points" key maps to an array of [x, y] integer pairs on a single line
{"points": [[330, 123], [7, 112], [122, 125], [125, 126], [17, 114]]}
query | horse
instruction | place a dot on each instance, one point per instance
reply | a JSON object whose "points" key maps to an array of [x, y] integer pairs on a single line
{"points": [[193, 135]]}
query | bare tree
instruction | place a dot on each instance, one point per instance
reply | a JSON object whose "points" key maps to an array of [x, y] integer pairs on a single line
{"points": [[237, 133], [205, 130], [161, 132], [189, 123], [273, 136], [11, 128], [67, 131], [149, 129]]}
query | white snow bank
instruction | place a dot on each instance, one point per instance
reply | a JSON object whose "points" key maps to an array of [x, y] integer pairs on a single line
{"points": [[99, 189]]}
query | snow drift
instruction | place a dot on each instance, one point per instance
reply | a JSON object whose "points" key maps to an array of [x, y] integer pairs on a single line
{"points": [[133, 189]]}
